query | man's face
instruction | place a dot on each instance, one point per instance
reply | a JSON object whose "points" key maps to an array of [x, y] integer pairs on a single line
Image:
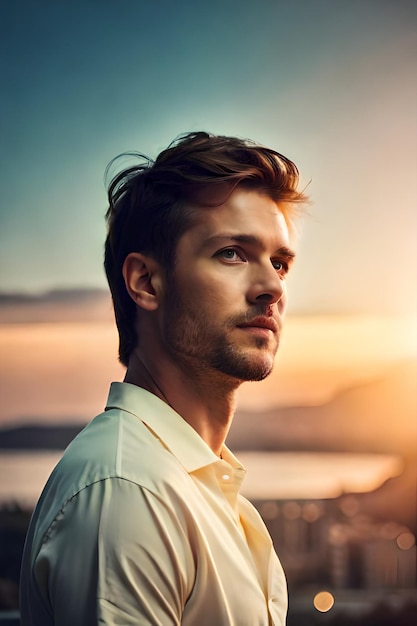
{"points": [[224, 304]]}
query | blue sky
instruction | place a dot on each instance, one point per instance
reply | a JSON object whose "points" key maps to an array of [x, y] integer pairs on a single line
{"points": [[332, 84]]}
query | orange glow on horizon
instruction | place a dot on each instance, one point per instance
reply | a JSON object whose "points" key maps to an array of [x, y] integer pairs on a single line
{"points": [[322, 355], [63, 370]]}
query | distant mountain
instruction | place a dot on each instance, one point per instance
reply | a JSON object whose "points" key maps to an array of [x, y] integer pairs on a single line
{"points": [[38, 437], [57, 305], [379, 416], [52, 295]]}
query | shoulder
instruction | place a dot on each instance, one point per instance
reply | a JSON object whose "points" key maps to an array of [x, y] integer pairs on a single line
{"points": [[114, 449]]}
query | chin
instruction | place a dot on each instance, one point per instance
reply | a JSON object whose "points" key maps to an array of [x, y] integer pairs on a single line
{"points": [[247, 370], [242, 364], [258, 375]]}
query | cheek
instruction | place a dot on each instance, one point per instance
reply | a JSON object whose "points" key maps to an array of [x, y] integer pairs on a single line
{"points": [[211, 288], [219, 295]]}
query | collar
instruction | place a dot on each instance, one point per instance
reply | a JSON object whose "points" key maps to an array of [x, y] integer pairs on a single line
{"points": [[176, 434]]}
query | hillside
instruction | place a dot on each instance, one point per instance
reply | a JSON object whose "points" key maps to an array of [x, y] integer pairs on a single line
{"points": [[364, 418], [379, 416]]}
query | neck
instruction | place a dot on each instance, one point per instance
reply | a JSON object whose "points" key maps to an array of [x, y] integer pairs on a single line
{"points": [[205, 400]]}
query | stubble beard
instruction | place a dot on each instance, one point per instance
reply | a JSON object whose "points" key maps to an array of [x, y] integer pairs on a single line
{"points": [[192, 341], [234, 362]]}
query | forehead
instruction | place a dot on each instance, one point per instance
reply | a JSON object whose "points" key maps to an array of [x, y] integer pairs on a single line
{"points": [[246, 212]]}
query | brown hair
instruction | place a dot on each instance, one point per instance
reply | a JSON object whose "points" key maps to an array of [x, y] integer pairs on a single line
{"points": [[148, 204]]}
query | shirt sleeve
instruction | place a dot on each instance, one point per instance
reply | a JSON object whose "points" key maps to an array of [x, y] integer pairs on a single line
{"points": [[117, 555]]}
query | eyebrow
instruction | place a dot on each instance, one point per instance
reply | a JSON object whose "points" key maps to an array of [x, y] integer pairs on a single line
{"points": [[253, 241]]}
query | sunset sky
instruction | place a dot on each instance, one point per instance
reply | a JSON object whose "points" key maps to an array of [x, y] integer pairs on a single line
{"points": [[330, 84], [61, 371]]}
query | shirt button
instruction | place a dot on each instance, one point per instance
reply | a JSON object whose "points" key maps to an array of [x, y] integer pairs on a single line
{"points": [[226, 477]]}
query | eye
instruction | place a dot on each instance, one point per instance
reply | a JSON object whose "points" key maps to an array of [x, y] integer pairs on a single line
{"points": [[280, 266], [230, 254]]}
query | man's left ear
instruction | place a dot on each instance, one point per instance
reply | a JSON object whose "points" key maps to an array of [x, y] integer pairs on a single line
{"points": [[143, 278]]}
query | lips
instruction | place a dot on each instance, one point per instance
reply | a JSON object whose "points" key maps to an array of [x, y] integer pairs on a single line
{"points": [[261, 322]]}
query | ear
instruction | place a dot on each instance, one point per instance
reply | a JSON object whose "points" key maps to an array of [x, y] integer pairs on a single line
{"points": [[143, 278]]}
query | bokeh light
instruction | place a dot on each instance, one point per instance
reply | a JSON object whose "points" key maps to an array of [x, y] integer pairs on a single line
{"points": [[349, 505], [269, 510], [406, 540], [323, 601], [312, 511], [291, 510]]}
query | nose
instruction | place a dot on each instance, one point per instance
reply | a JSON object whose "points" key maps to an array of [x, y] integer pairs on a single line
{"points": [[267, 286]]}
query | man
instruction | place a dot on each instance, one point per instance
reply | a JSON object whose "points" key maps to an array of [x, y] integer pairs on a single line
{"points": [[141, 522]]}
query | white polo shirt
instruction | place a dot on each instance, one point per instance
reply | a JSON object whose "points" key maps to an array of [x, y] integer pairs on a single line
{"points": [[141, 523]]}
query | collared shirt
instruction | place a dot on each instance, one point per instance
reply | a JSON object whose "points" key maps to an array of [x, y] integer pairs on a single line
{"points": [[141, 523]]}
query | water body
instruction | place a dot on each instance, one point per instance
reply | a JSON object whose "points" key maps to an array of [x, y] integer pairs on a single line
{"points": [[271, 475]]}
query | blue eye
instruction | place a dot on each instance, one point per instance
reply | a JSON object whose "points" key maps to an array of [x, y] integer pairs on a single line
{"points": [[229, 254]]}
